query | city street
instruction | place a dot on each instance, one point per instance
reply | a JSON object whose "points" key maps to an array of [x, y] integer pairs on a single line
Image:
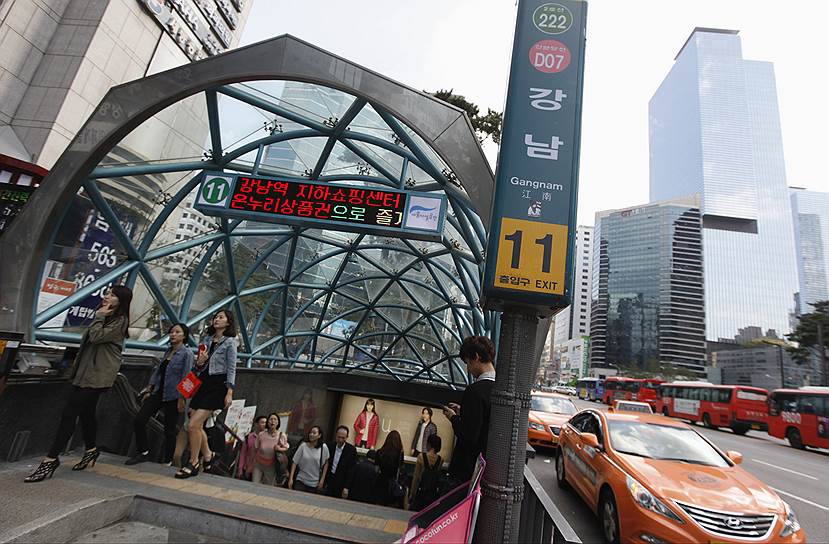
{"points": [[800, 477]]}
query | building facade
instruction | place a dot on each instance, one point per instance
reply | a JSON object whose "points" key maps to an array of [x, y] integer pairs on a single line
{"points": [[810, 215], [764, 366], [715, 131], [647, 289], [59, 58]]}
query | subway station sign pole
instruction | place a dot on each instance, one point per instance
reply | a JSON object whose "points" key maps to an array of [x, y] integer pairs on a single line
{"points": [[532, 234]]}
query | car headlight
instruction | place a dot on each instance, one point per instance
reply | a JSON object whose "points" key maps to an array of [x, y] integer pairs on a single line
{"points": [[536, 426], [790, 525], [646, 500], [556, 430]]}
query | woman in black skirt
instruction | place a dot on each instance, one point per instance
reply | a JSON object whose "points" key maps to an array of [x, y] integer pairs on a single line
{"points": [[216, 367]]}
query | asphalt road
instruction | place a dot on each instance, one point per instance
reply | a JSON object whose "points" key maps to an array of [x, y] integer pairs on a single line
{"points": [[801, 478]]}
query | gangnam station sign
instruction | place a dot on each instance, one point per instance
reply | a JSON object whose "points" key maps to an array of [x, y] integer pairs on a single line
{"points": [[532, 231], [404, 214]]}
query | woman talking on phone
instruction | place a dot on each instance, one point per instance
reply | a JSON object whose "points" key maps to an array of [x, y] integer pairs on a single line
{"points": [[93, 372], [216, 367]]}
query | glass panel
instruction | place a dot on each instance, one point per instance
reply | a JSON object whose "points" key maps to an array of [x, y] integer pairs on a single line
{"points": [[240, 123], [247, 250], [148, 322], [312, 101], [183, 222], [343, 161], [178, 132], [213, 285], [84, 250], [390, 161]]}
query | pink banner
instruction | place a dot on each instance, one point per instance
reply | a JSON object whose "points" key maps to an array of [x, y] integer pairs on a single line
{"points": [[450, 519]]}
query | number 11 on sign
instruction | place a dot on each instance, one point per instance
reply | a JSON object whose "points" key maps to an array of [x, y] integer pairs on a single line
{"points": [[531, 257]]}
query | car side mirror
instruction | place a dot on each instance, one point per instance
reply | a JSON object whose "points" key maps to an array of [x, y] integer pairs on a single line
{"points": [[591, 440], [735, 456]]}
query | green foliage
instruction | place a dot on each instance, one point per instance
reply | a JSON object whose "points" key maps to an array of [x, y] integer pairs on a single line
{"points": [[806, 333], [486, 126]]}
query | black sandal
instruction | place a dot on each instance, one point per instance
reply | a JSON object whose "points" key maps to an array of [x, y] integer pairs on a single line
{"points": [[45, 470], [89, 459], [188, 471], [208, 463]]}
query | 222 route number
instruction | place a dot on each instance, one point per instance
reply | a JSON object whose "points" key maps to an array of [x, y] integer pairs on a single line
{"points": [[531, 257]]}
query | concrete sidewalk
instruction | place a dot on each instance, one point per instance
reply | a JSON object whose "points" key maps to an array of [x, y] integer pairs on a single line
{"points": [[208, 499]]}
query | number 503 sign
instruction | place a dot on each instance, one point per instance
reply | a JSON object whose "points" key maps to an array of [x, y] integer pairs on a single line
{"points": [[531, 257]]}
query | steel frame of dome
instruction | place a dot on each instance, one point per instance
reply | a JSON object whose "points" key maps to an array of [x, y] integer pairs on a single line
{"points": [[461, 172]]}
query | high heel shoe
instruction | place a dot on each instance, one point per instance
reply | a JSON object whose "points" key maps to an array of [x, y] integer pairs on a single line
{"points": [[45, 470], [89, 458]]}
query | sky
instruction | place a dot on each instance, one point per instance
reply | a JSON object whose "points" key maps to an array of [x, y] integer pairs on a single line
{"points": [[465, 45]]}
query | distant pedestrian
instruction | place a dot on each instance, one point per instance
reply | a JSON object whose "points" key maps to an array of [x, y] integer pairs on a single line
{"points": [[390, 459], [93, 372], [271, 445], [343, 461], [161, 394], [425, 429], [427, 474], [247, 455], [364, 479], [367, 426], [470, 419], [216, 367], [310, 463]]}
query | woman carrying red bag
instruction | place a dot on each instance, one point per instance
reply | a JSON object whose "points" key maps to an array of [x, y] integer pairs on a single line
{"points": [[216, 367]]}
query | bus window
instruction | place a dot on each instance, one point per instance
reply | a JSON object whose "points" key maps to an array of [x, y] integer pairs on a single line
{"points": [[705, 394]]}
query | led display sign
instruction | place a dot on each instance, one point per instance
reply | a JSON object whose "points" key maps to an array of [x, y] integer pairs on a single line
{"points": [[403, 214]]}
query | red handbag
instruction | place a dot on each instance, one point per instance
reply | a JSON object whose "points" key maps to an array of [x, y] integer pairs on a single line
{"points": [[189, 385]]}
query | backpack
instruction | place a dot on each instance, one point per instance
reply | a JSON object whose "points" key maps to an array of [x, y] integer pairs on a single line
{"points": [[427, 489]]}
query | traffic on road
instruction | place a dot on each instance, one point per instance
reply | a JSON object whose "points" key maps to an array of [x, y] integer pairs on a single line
{"points": [[625, 476]]}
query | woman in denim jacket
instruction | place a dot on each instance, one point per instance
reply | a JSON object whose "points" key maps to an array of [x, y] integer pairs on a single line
{"points": [[161, 394], [216, 367]]}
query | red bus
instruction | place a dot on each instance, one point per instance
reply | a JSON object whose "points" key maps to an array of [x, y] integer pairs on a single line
{"points": [[618, 388], [801, 416], [739, 407], [648, 392]]}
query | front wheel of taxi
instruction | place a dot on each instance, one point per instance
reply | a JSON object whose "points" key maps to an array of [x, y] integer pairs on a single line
{"points": [[560, 479], [610, 517]]}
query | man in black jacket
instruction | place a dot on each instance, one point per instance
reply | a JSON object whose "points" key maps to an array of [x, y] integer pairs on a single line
{"points": [[470, 419], [343, 460]]}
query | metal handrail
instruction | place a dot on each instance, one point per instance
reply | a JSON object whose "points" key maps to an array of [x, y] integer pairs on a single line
{"points": [[541, 520]]}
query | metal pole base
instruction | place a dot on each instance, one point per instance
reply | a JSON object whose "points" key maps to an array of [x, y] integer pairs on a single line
{"points": [[503, 481]]}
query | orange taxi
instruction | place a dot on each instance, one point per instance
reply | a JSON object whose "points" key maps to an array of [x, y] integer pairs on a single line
{"points": [[655, 480], [548, 412]]}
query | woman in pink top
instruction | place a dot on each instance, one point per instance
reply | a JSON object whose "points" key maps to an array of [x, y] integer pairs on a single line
{"points": [[244, 468], [271, 445]]}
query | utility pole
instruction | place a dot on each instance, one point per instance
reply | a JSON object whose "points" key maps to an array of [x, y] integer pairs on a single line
{"points": [[782, 375]]}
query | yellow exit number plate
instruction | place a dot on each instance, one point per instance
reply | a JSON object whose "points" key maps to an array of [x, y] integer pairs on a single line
{"points": [[532, 257]]}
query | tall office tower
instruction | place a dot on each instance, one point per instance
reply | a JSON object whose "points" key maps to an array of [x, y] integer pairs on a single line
{"points": [[715, 131], [810, 214], [572, 323], [647, 309]]}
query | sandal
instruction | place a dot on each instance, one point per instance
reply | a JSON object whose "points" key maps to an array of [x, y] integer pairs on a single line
{"points": [[208, 463], [188, 471]]}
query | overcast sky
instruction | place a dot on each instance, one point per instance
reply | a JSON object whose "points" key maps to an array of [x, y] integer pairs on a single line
{"points": [[465, 45]]}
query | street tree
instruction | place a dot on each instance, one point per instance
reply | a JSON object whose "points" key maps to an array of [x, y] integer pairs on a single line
{"points": [[812, 336]]}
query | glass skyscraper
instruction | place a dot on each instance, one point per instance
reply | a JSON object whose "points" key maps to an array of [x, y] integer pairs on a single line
{"points": [[715, 131], [810, 213], [647, 293]]}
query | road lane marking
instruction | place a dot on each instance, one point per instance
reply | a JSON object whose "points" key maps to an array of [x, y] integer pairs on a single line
{"points": [[801, 499], [786, 469]]}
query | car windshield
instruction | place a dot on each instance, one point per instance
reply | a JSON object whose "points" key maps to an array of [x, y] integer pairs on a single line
{"points": [[662, 442], [553, 405]]}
